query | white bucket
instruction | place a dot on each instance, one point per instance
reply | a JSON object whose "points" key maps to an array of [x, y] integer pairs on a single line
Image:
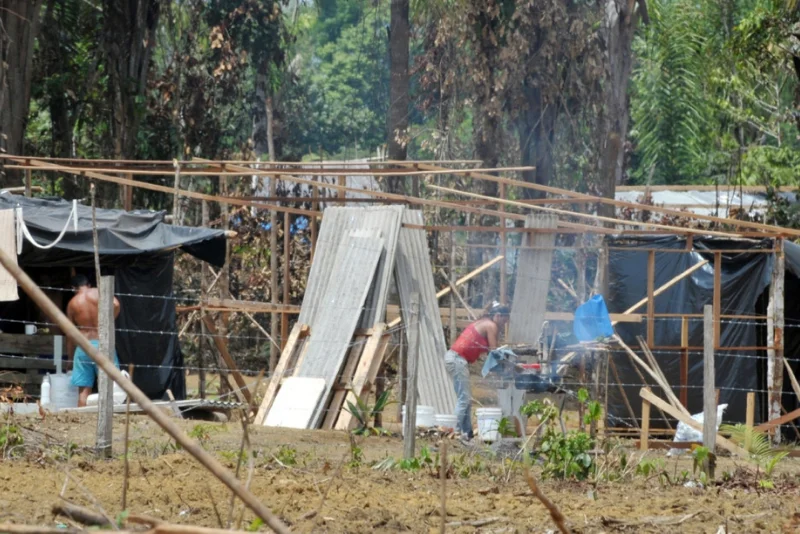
{"points": [[488, 421], [425, 416], [62, 393], [446, 420]]}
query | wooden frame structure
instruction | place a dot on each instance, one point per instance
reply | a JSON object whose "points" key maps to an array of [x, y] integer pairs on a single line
{"points": [[359, 372]]}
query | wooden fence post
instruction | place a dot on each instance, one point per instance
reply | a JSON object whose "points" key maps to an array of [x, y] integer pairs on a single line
{"points": [[105, 400], [410, 425], [750, 417], [645, 436], [709, 390], [453, 311]]}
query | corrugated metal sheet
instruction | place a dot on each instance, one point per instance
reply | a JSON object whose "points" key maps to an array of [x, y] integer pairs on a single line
{"points": [[533, 283], [351, 279], [706, 202], [414, 273], [336, 223]]}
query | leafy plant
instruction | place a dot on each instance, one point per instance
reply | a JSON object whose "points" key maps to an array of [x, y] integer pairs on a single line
{"points": [[506, 429], [365, 413], [648, 467], [286, 455], [202, 433], [758, 445], [10, 436], [356, 454], [566, 455]]}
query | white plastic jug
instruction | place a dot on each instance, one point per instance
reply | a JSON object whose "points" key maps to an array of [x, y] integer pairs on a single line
{"points": [[62, 393], [44, 396], [488, 422]]}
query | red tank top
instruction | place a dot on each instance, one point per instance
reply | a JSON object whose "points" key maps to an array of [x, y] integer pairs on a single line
{"points": [[470, 344]]}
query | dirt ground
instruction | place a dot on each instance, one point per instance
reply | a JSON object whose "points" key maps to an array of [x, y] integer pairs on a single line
{"points": [[299, 472]]}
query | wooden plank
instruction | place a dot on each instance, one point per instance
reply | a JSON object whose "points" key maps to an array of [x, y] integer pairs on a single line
{"points": [[243, 392], [11, 362], [14, 377], [750, 417], [532, 285], [364, 375], [684, 362], [26, 345], [782, 420], [687, 420], [393, 312], [717, 296], [285, 364], [593, 217], [231, 305], [105, 397], [651, 300], [345, 377], [645, 435], [710, 400], [775, 364]]}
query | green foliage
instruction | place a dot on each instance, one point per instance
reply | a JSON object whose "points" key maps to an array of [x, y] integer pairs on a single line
{"points": [[202, 433], [255, 525], [286, 455], [647, 467], [10, 437], [365, 414], [506, 428], [566, 456], [760, 448]]}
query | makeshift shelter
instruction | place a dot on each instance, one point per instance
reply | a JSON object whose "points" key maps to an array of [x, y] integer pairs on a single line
{"points": [[138, 248], [741, 291]]}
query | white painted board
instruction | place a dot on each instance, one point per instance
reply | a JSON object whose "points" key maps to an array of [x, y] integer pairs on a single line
{"points": [[296, 402]]}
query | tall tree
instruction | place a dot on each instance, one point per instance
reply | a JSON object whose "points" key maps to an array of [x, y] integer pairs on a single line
{"points": [[20, 25], [399, 34], [129, 31], [618, 32]]}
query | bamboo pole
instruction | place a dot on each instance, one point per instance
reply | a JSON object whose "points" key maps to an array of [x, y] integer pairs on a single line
{"points": [[104, 363]]}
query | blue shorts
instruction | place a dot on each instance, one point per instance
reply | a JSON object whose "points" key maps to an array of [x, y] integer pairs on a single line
{"points": [[84, 370]]}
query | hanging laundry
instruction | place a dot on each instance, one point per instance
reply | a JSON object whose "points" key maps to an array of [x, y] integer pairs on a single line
{"points": [[8, 244]]}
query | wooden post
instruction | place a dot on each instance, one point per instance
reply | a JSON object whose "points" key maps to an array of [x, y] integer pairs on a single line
{"points": [[645, 436], [651, 300], [287, 282], [176, 199], [453, 322], [717, 296], [313, 219], [274, 353], [224, 283], [709, 390], [410, 426], [342, 194], [202, 343], [28, 182], [775, 319], [684, 363], [582, 380], [128, 193], [105, 399], [502, 208], [750, 418]]}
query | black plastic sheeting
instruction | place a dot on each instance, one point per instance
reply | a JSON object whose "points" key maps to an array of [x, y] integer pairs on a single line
{"points": [[745, 283], [138, 248]]}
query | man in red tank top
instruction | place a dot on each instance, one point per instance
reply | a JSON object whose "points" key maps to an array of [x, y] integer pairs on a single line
{"points": [[479, 338]]}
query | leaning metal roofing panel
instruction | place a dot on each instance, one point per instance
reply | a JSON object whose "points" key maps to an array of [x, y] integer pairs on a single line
{"points": [[414, 273], [336, 223]]}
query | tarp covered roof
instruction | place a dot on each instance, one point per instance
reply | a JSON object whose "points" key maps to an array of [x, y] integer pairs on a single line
{"points": [[120, 234], [707, 202]]}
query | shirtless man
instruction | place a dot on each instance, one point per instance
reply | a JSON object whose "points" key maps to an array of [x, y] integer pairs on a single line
{"points": [[82, 310]]}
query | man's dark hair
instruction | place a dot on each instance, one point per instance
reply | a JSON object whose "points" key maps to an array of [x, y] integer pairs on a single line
{"points": [[79, 280]]}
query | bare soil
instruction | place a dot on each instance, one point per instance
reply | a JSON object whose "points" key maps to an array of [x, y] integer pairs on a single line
{"points": [[166, 482]]}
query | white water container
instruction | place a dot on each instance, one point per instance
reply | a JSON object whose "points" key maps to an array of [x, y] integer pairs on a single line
{"points": [[44, 395], [446, 420], [62, 393], [426, 416], [119, 394], [488, 422]]}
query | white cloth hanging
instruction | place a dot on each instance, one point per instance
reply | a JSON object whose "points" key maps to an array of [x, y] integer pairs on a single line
{"points": [[8, 284], [22, 229]]}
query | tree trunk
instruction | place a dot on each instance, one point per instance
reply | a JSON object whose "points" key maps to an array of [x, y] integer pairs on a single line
{"points": [[397, 127], [20, 19], [129, 28], [618, 29], [536, 139]]}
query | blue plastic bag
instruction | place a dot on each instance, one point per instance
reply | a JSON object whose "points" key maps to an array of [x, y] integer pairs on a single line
{"points": [[592, 321]]}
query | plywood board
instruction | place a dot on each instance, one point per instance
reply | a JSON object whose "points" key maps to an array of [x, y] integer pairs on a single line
{"points": [[413, 272], [286, 366], [533, 283], [337, 318], [296, 402]]}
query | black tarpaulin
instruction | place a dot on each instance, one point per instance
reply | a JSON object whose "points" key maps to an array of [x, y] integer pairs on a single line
{"points": [[745, 281], [139, 248]]}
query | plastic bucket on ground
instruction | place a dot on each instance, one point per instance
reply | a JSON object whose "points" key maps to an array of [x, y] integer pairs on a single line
{"points": [[488, 422], [426, 416], [62, 393], [446, 420]]}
